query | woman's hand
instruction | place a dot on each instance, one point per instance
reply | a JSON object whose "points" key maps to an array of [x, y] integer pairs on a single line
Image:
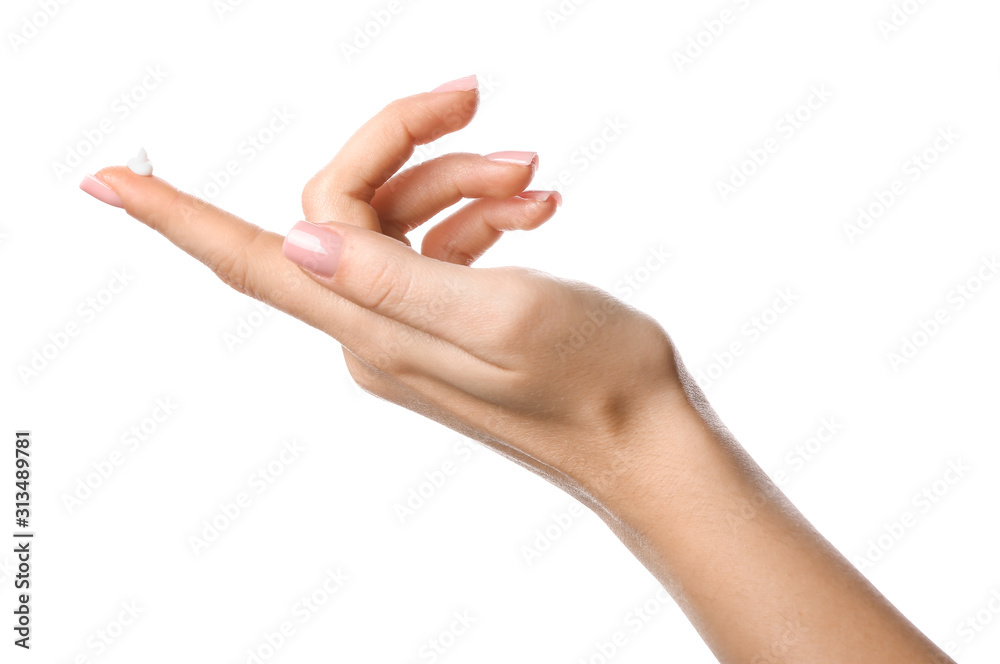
{"points": [[557, 376]]}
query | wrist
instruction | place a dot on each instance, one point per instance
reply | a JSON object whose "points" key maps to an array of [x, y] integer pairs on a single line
{"points": [[645, 461], [679, 470]]}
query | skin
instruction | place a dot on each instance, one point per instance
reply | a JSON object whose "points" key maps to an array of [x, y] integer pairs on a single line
{"points": [[557, 376]]}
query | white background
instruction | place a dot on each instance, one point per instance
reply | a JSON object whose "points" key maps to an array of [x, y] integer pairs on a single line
{"points": [[555, 85]]}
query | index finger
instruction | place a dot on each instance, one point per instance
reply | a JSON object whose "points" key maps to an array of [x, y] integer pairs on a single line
{"points": [[241, 254]]}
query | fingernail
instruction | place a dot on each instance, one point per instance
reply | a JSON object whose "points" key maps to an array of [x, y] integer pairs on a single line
{"points": [[315, 248], [463, 84], [519, 158], [101, 191], [542, 196]]}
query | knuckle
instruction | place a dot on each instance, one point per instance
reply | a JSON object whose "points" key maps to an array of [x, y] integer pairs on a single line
{"points": [[456, 117], [453, 253], [389, 364], [313, 192], [380, 366], [398, 115], [233, 265], [389, 287], [534, 310], [467, 176], [183, 207], [529, 304], [396, 107]]}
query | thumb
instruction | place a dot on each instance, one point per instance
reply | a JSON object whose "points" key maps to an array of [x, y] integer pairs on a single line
{"points": [[386, 277]]}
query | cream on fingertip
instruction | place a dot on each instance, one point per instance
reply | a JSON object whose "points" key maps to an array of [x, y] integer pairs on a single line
{"points": [[140, 164]]}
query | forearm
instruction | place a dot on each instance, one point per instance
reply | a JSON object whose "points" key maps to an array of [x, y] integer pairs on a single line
{"points": [[754, 577]]}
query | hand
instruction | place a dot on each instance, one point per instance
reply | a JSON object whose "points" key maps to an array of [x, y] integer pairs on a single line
{"points": [[552, 374], [558, 376]]}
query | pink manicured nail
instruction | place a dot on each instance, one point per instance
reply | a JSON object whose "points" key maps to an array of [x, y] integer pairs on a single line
{"points": [[315, 248], [101, 191], [519, 158], [459, 85], [542, 196]]}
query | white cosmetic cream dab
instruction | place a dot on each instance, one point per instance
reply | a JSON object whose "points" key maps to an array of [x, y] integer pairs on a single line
{"points": [[140, 164]]}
